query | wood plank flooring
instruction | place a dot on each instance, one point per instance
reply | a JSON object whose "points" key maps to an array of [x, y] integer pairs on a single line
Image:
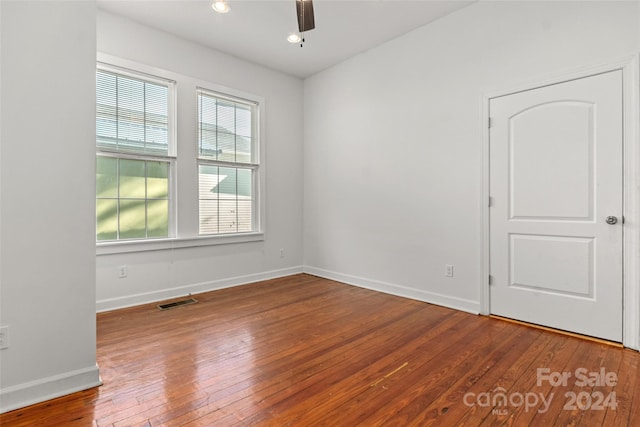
{"points": [[305, 351]]}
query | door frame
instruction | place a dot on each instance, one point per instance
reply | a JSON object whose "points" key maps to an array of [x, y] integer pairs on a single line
{"points": [[631, 183]]}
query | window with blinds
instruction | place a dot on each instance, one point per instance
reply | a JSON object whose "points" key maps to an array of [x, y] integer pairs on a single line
{"points": [[134, 155], [227, 163], [132, 114]]}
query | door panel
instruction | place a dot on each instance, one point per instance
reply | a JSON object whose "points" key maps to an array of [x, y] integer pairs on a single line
{"points": [[540, 186], [563, 265], [555, 175]]}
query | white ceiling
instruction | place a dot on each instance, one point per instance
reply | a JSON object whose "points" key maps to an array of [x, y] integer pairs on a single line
{"points": [[256, 30]]}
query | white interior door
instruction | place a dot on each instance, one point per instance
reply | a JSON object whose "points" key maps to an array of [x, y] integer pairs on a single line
{"points": [[555, 178]]}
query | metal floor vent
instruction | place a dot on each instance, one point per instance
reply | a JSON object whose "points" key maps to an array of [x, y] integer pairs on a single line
{"points": [[169, 305]]}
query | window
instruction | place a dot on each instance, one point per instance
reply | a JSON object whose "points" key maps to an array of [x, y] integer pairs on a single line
{"points": [[134, 155], [155, 192], [227, 164]]}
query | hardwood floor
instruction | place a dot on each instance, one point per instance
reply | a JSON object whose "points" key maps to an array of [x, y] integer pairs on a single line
{"points": [[304, 351]]}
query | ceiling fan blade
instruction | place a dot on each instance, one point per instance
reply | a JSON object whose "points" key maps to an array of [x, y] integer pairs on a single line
{"points": [[306, 20]]}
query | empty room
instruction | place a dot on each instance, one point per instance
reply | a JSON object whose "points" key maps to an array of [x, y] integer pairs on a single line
{"points": [[328, 212]]}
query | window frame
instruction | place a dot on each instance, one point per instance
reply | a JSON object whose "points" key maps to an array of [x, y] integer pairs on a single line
{"points": [[169, 158], [171, 105], [254, 166], [184, 173]]}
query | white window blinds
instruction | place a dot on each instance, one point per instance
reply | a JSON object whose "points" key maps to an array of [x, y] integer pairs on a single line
{"points": [[132, 115], [226, 128]]}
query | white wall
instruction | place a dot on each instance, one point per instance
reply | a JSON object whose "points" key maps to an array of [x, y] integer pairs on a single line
{"points": [[47, 276], [393, 145], [162, 274]]}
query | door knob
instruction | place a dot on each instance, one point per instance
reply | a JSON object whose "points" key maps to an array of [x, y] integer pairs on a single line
{"points": [[611, 220]]}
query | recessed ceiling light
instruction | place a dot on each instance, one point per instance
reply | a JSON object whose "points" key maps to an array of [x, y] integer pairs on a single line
{"points": [[294, 38], [220, 6]]}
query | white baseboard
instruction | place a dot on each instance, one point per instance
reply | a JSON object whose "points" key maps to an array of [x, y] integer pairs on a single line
{"points": [[160, 295], [33, 392], [389, 288]]}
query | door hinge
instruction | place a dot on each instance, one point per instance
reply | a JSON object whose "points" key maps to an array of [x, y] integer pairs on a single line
{"points": [[622, 219], [490, 122], [490, 201], [490, 280]]}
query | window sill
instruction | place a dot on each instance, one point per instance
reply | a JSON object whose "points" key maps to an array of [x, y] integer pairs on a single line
{"points": [[108, 248]]}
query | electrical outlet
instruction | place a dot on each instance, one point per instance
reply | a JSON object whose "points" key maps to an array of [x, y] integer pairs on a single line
{"points": [[281, 252], [4, 337], [448, 270], [123, 271]]}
